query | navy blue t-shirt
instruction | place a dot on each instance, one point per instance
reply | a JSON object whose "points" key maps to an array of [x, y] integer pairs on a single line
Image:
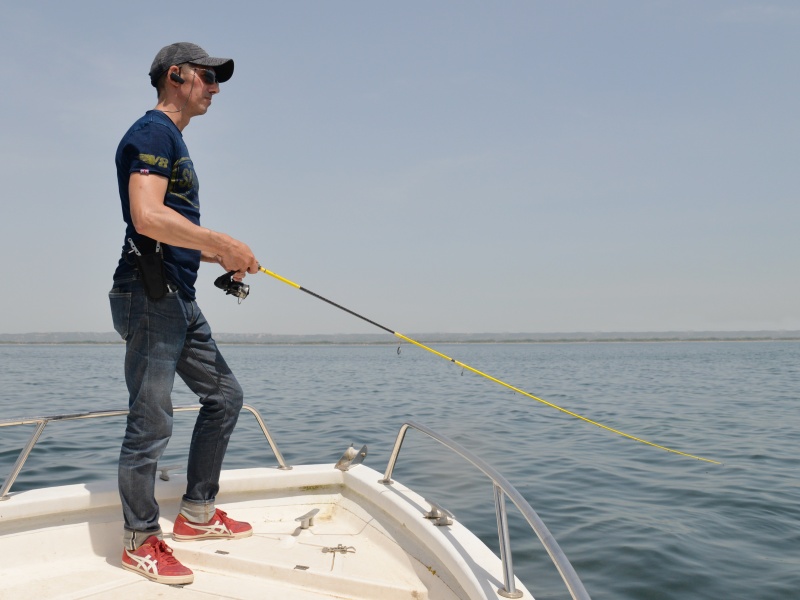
{"points": [[154, 145]]}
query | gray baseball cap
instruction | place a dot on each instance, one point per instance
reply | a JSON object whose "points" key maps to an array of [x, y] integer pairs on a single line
{"points": [[186, 52]]}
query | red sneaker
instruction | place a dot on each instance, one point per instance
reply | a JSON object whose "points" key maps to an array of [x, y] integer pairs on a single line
{"points": [[220, 526], [154, 560]]}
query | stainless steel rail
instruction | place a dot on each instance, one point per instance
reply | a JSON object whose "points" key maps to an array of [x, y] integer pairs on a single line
{"points": [[502, 489], [42, 422]]}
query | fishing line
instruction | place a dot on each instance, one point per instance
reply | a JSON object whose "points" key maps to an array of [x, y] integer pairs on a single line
{"points": [[481, 373]]}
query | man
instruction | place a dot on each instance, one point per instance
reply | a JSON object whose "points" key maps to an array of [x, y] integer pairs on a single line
{"points": [[154, 310]]}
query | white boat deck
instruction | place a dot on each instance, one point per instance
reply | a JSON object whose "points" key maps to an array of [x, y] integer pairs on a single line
{"points": [[65, 543]]}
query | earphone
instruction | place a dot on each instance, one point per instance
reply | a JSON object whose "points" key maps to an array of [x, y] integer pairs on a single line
{"points": [[178, 79]]}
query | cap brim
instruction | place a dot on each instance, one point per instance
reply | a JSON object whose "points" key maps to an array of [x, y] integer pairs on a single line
{"points": [[222, 66]]}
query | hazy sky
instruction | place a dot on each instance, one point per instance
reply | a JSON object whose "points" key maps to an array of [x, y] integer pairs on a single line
{"points": [[438, 166]]}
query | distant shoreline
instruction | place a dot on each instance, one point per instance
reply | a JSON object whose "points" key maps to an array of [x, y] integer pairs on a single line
{"points": [[110, 338]]}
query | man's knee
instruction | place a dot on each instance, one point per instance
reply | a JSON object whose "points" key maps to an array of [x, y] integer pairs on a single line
{"points": [[227, 400]]}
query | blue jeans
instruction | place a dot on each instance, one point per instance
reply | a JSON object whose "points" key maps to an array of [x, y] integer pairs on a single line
{"points": [[164, 337]]}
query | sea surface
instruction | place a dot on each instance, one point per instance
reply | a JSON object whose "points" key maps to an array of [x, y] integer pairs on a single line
{"points": [[636, 522]]}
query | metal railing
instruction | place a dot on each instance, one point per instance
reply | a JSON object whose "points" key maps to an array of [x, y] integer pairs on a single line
{"points": [[502, 489], [42, 422]]}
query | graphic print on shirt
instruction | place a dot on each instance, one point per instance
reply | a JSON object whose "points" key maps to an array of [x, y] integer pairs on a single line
{"points": [[154, 160], [183, 181]]}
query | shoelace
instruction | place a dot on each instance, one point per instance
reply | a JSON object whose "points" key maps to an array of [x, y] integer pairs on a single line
{"points": [[163, 554], [222, 517]]}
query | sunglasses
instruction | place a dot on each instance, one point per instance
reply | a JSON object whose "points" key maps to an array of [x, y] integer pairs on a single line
{"points": [[209, 76]]}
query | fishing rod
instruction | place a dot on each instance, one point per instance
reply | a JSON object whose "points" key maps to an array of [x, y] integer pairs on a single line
{"points": [[481, 373]]}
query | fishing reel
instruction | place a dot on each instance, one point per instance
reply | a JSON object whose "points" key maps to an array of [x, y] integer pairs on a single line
{"points": [[232, 287]]}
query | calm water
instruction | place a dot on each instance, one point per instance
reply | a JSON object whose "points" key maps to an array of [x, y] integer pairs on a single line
{"points": [[636, 522]]}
